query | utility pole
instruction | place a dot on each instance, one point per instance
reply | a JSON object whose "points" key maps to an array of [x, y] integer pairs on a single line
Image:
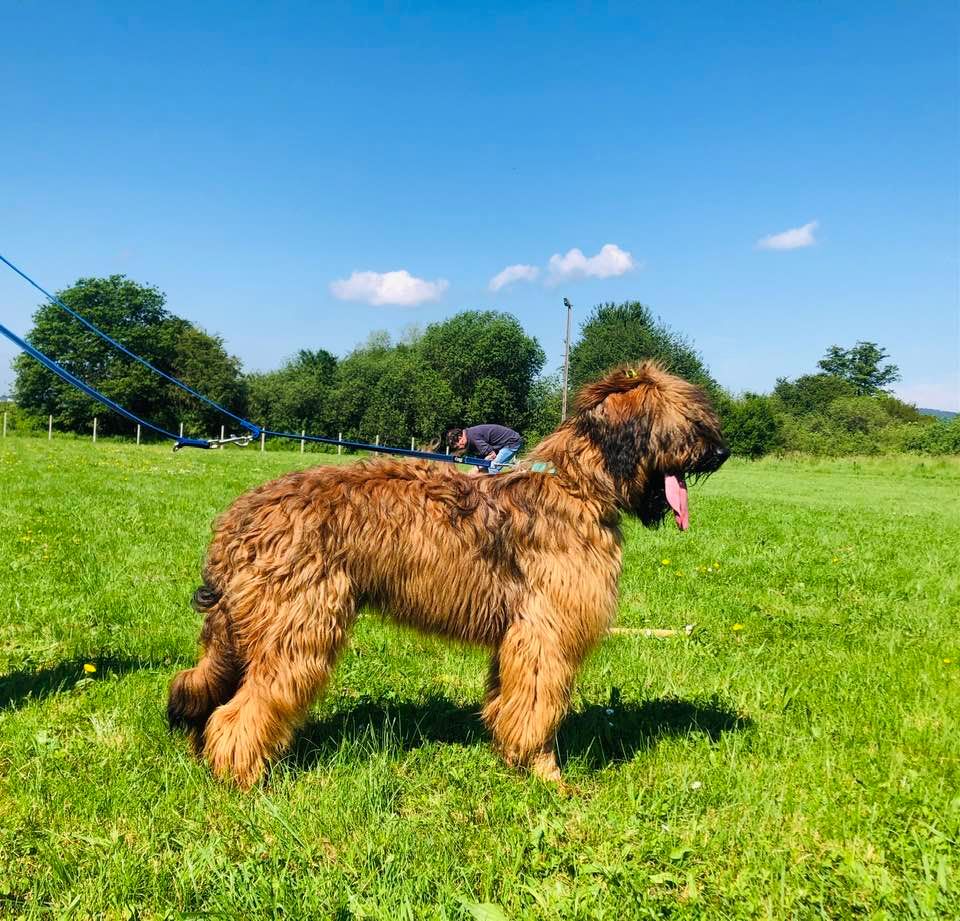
{"points": [[566, 359]]}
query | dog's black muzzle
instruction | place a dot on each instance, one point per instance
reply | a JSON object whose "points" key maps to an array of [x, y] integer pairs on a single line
{"points": [[712, 460]]}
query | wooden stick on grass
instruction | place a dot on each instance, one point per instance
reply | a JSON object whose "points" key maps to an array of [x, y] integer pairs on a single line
{"points": [[659, 633]]}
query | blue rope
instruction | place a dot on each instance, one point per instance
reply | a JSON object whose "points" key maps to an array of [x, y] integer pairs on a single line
{"points": [[384, 449], [249, 426], [256, 430], [60, 371]]}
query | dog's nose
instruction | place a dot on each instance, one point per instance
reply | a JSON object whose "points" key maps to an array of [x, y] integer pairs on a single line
{"points": [[723, 452]]}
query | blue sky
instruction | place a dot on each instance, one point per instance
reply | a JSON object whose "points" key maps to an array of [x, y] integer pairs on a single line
{"points": [[296, 175]]}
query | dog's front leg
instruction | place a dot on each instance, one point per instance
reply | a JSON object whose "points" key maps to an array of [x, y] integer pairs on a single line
{"points": [[529, 692]]}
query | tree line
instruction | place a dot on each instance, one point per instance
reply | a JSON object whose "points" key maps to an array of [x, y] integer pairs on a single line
{"points": [[842, 408], [477, 366]]}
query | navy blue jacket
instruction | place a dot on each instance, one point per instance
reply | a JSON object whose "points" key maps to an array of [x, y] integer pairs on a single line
{"points": [[484, 439]]}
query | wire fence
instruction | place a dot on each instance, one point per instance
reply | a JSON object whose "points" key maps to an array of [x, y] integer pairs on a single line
{"points": [[12, 427]]}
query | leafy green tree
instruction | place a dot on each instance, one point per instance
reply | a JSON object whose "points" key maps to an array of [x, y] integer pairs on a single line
{"points": [[811, 393], [543, 408], [488, 362], [898, 410], [824, 414], [857, 415], [17, 420], [407, 400], [200, 361], [490, 402], [135, 316], [617, 334], [941, 436], [387, 391], [127, 311], [356, 378], [297, 396], [861, 366], [750, 425]]}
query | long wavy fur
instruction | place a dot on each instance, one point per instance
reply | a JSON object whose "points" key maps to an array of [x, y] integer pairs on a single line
{"points": [[525, 563]]}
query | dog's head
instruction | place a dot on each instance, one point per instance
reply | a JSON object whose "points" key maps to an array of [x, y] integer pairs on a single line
{"points": [[652, 431]]}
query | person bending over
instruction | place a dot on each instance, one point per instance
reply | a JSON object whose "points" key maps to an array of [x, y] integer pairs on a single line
{"points": [[496, 443]]}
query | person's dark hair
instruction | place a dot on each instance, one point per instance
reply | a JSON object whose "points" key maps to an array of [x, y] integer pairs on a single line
{"points": [[453, 436]]}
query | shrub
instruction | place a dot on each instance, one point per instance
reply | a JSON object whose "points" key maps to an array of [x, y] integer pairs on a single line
{"points": [[857, 415], [750, 425], [811, 393], [19, 422], [941, 437]]}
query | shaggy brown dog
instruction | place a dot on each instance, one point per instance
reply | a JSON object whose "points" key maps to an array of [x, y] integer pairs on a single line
{"points": [[524, 562]]}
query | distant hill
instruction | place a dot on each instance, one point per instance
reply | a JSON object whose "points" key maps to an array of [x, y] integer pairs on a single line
{"points": [[939, 413]]}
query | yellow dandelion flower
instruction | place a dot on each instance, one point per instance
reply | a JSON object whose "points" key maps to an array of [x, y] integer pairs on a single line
{"points": [[737, 627], [835, 560], [665, 562], [948, 661], [679, 572], [716, 565], [89, 668]]}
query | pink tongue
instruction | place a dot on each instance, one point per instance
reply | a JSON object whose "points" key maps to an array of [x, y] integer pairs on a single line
{"points": [[677, 497]]}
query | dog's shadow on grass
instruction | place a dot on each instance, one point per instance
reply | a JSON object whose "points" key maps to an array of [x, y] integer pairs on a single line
{"points": [[596, 735]]}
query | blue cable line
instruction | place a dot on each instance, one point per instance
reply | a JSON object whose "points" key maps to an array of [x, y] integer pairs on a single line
{"points": [[385, 449], [256, 430], [60, 371], [70, 378], [56, 300]]}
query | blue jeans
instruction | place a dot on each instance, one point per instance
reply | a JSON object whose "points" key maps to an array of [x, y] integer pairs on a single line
{"points": [[504, 456]]}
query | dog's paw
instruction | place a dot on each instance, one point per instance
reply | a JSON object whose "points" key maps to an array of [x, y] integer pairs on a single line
{"points": [[229, 753], [546, 768]]}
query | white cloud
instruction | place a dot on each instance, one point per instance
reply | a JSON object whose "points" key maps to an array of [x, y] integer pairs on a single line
{"points": [[610, 261], [514, 273], [382, 288], [797, 238]]}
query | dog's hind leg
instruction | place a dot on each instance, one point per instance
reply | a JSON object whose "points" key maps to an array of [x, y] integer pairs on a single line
{"points": [[196, 692], [291, 653], [528, 694]]}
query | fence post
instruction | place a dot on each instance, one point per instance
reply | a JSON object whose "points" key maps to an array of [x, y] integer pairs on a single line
{"points": [[94, 429], [339, 447], [50, 428], [302, 442], [376, 441], [411, 442], [4, 425], [138, 433], [222, 432], [263, 439], [181, 430]]}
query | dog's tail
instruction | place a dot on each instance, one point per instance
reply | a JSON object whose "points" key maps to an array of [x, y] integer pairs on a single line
{"points": [[205, 597], [196, 692]]}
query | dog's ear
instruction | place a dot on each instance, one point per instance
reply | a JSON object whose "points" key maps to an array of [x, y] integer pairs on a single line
{"points": [[616, 414], [619, 380]]}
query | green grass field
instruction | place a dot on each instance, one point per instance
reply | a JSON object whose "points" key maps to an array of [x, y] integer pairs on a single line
{"points": [[795, 757]]}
